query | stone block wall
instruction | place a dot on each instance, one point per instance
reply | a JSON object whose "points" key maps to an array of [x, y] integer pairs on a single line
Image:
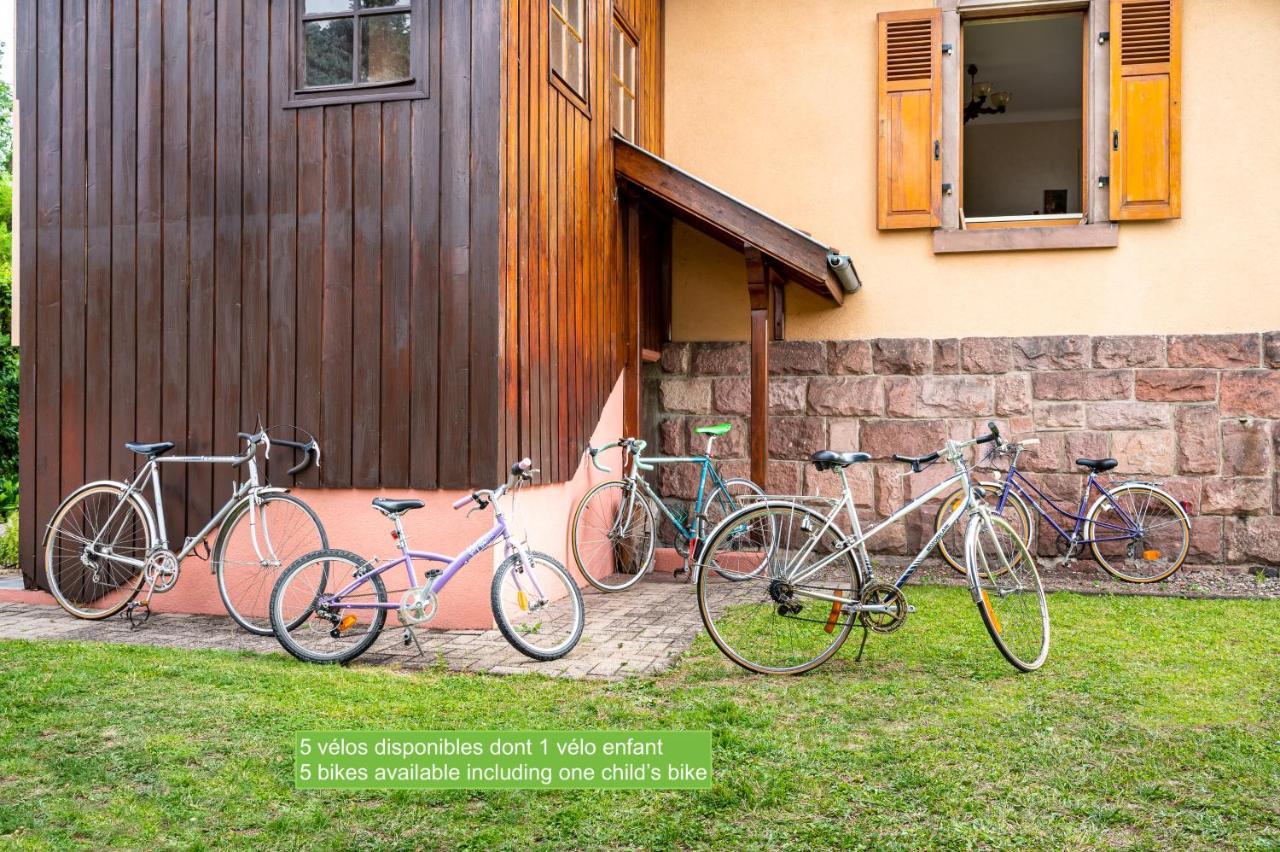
{"points": [[1198, 413]]}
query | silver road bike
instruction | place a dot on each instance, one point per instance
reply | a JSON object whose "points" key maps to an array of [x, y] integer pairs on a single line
{"points": [[106, 541], [782, 597]]}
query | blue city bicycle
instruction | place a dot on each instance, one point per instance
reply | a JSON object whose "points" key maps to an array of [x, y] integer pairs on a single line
{"points": [[615, 529], [1136, 531]]}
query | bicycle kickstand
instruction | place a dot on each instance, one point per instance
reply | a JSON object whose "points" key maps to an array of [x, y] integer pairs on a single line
{"points": [[862, 644], [411, 635]]}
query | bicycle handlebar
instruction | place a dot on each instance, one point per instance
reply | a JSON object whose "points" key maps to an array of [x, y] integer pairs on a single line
{"points": [[310, 449], [634, 446], [918, 462]]}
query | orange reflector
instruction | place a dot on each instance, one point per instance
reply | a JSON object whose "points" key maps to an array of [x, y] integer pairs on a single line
{"points": [[347, 621], [1151, 555], [836, 607], [986, 602], [522, 599]]}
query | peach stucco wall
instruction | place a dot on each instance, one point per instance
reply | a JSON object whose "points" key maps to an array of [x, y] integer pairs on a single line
{"points": [[775, 102], [541, 514]]}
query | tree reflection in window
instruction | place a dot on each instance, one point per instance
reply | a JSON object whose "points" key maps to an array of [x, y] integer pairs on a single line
{"points": [[356, 42]]}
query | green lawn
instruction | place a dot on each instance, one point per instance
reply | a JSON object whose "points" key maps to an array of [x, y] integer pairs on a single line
{"points": [[1155, 723]]}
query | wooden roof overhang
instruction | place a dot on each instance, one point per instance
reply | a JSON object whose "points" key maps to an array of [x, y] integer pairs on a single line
{"points": [[797, 256], [775, 254]]}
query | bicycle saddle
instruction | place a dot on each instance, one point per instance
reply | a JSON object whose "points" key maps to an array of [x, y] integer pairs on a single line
{"points": [[396, 507], [1098, 465], [157, 449], [718, 429], [827, 459]]}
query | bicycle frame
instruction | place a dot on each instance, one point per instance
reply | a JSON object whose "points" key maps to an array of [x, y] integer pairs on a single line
{"points": [[151, 471], [453, 564], [857, 542], [1015, 481], [708, 470]]}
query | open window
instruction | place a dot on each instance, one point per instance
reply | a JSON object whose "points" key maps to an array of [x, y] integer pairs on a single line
{"points": [[1017, 124], [1023, 136]]}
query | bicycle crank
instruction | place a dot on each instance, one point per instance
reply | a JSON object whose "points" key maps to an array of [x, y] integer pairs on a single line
{"points": [[882, 607], [418, 606], [161, 570]]}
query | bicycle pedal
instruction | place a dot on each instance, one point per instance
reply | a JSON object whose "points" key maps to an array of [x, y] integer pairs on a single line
{"points": [[432, 574], [134, 607]]}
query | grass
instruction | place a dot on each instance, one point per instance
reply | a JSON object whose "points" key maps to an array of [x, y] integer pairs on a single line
{"points": [[1155, 723]]}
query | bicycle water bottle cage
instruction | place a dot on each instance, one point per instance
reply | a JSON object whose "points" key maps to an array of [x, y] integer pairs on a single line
{"points": [[717, 430]]}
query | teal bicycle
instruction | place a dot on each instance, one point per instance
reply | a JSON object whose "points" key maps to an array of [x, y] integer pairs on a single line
{"points": [[615, 529]]}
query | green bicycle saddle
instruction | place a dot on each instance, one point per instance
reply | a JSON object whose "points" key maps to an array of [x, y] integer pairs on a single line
{"points": [[718, 429]]}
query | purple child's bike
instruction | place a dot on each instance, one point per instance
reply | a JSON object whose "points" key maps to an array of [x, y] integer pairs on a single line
{"points": [[330, 605]]}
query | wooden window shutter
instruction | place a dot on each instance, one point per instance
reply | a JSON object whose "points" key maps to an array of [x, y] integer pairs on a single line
{"points": [[909, 88], [1146, 109]]}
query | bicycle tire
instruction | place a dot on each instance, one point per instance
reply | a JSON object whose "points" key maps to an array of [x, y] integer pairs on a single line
{"points": [[280, 620], [1012, 576], [992, 489], [61, 587], [218, 558], [512, 632], [642, 559], [758, 604], [1181, 521]]}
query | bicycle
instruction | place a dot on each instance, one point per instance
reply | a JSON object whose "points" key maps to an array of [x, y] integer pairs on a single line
{"points": [[1136, 524], [105, 541], [804, 581], [613, 532], [322, 613]]}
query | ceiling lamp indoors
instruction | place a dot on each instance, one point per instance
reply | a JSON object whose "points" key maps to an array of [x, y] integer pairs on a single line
{"points": [[983, 101]]}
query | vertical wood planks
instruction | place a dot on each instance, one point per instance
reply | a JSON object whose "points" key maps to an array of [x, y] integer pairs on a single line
{"points": [[48, 251], [336, 378], [201, 231], [176, 287], [366, 292]]}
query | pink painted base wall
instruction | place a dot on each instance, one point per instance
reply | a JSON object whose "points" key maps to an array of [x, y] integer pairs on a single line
{"points": [[541, 515]]}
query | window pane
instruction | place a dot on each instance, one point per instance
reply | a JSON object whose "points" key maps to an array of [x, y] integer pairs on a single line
{"points": [[384, 48], [382, 4], [318, 7], [329, 47]]}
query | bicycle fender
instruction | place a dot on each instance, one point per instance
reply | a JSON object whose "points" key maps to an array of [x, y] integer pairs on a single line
{"points": [[150, 517]]}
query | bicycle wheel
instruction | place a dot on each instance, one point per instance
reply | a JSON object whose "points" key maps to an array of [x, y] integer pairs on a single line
{"points": [[538, 610], [613, 535], [334, 633], [768, 618], [1139, 533], [735, 494], [1006, 587], [95, 548], [1016, 512], [248, 560]]}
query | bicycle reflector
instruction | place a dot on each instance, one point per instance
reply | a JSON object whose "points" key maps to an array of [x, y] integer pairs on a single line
{"points": [[986, 602], [836, 607], [522, 599], [346, 622], [1151, 555]]}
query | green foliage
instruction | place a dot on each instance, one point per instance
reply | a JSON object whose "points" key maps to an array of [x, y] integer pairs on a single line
{"points": [[1154, 725], [9, 538], [8, 353]]}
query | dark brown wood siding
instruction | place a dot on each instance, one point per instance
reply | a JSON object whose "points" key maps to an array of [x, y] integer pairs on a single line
{"points": [[195, 254], [562, 288]]}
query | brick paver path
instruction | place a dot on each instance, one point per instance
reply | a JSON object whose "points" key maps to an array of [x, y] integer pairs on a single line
{"points": [[639, 631]]}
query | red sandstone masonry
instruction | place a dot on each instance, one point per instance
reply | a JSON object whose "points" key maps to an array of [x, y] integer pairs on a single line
{"points": [[1199, 413]]}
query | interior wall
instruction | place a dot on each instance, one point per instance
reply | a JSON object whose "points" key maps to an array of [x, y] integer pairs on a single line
{"points": [[776, 104], [1007, 166]]}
